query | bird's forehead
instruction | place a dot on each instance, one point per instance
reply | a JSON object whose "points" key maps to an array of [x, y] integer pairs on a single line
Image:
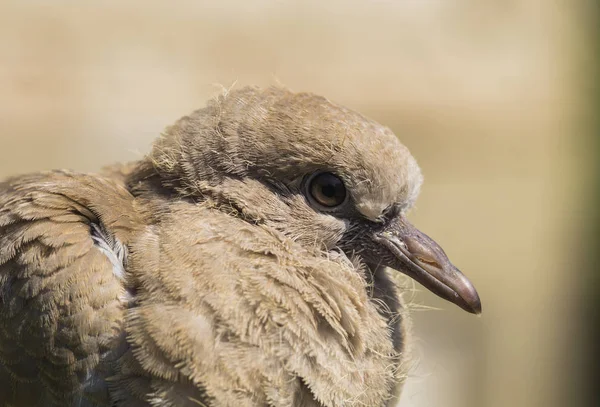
{"points": [[290, 133], [394, 179], [381, 172]]}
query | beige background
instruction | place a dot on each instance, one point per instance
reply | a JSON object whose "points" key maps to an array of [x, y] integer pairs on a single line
{"points": [[487, 95]]}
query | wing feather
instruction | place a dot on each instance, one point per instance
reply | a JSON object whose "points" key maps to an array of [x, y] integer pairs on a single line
{"points": [[62, 286]]}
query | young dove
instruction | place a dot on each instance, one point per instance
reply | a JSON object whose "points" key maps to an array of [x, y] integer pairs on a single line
{"points": [[243, 262]]}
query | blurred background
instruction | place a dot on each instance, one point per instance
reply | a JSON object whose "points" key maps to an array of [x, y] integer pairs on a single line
{"points": [[496, 99]]}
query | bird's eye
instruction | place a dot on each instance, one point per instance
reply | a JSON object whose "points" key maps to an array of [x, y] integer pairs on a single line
{"points": [[327, 190]]}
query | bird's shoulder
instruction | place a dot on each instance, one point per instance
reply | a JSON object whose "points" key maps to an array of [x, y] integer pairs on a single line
{"points": [[63, 237]]}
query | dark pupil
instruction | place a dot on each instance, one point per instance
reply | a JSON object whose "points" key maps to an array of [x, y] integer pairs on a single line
{"points": [[328, 190]]}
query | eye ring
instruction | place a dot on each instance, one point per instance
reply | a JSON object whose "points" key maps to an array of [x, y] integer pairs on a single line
{"points": [[326, 191]]}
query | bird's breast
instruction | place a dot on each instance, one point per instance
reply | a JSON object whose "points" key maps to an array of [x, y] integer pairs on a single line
{"points": [[249, 316]]}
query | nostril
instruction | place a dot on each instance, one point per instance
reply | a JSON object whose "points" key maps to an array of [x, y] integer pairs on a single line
{"points": [[429, 261]]}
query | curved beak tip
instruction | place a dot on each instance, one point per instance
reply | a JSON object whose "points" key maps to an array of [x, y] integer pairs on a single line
{"points": [[473, 306], [420, 257], [467, 296]]}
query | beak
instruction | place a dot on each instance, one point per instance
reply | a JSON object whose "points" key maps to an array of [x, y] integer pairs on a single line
{"points": [[412, 252]]}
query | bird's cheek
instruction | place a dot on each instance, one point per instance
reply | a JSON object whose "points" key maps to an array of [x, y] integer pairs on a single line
{"points": [[321, 230], [333, 231]]}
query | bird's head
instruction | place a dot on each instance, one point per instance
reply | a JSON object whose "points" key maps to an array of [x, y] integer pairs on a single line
{"points": [[323, 175]]}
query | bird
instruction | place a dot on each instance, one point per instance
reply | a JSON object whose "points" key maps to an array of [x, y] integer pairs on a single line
{"points": [[248, 260]]}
